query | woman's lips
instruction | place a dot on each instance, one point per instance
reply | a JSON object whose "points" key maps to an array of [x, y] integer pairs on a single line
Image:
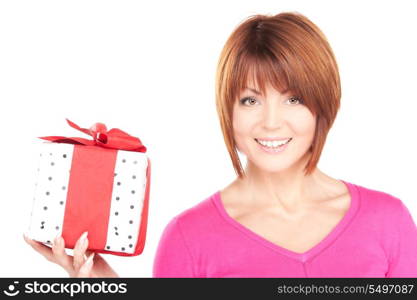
{"points": [[272, 150], [273, 139]]}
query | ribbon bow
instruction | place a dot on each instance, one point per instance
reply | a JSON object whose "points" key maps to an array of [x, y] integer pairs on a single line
{"points": [[114, 138]]}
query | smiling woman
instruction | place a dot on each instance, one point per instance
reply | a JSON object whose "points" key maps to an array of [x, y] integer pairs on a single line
{"points": [[274, 123], [290, 53], [277, 95]]}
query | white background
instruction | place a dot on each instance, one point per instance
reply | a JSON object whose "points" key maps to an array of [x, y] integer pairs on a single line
{"points": [[148, 67]]}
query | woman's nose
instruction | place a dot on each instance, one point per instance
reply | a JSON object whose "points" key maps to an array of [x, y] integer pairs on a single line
{"points": [[272, 117]]}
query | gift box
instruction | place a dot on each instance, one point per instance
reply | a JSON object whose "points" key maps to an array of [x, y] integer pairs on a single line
{"points": [[100, 186]]}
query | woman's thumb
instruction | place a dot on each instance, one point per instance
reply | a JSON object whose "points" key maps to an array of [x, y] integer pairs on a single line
{"points": [[85, 270]]}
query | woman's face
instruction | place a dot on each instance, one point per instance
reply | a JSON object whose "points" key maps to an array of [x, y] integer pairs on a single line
{"points": [[276, 116]]}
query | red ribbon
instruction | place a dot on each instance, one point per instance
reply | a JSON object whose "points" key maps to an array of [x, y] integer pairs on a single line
{"points": [[114, 138]]}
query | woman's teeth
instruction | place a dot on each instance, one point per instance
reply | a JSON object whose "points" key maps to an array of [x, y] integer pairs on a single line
{"points": [[273, 144]]}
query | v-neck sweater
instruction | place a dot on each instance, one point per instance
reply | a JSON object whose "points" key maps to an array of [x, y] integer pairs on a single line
{"points": [[377, 237]]}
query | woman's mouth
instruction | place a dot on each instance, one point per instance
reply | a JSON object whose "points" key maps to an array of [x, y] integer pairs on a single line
{"points": [[273, 146]]}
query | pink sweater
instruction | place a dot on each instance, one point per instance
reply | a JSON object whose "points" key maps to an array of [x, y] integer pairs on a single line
{"points": [[376, 238]]}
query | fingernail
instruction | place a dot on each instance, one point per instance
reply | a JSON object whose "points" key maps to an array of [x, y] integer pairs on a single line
{"points": [[83, 238], [84, 235], [56, 239], [85, 241]]}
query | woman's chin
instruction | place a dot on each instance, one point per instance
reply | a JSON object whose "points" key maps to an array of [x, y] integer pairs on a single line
{"points": [[272, 167]]}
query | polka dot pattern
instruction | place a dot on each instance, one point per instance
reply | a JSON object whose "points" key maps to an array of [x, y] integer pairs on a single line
{"points": [[48, 208], [127, 201], [51, 189]]}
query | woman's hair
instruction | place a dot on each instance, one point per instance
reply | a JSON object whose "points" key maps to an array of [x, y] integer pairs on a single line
{"points": [[289, 52]]}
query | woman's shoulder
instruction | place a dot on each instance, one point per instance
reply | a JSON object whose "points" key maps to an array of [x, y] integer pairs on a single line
{"points": [[202, 214], [379, 201]]}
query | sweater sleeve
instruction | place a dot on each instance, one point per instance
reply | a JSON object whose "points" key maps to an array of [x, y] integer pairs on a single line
{"points": [[173, 258], [403, 259]]}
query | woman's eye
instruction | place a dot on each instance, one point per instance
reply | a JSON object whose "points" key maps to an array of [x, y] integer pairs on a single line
{"points": [[295, 99], [252, 101], [249, 99]]}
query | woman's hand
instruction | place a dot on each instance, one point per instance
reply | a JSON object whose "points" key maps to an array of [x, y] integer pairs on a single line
{"points": [[78, 265]]}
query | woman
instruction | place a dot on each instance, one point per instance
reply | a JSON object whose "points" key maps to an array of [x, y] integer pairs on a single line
{"points": [[277, 94]]}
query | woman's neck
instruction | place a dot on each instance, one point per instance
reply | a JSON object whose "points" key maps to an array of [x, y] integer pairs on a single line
{"points": [[291, 190]]}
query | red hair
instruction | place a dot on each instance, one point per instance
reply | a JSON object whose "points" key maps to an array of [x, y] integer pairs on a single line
{"points": [[289, 52]]}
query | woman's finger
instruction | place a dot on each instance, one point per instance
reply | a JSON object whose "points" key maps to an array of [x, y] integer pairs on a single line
{"points": [[85, 270], [61, 257], [79, 251], [101, 264], [41, 248]]}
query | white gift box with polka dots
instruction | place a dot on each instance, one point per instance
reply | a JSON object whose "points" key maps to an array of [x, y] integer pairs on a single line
{"points": [[127, 198]]}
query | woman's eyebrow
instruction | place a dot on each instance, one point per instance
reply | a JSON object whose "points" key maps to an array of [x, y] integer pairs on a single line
{"points": [[253, 90], [259, 93]]}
